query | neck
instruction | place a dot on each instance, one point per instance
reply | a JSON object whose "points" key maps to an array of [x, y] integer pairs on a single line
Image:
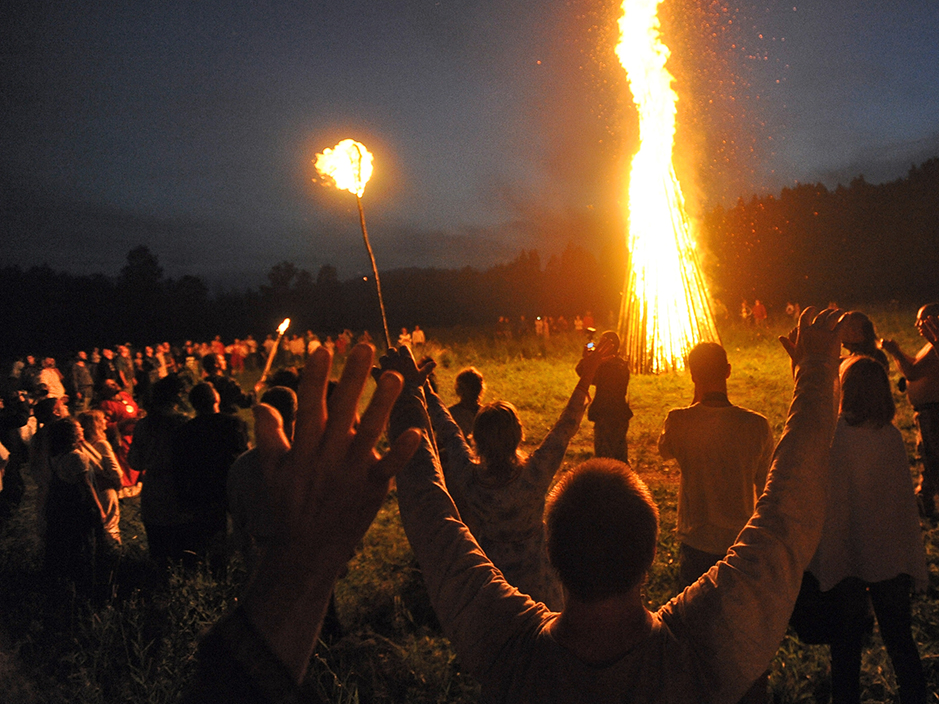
{"points": [[602, 632], [702, 389]]}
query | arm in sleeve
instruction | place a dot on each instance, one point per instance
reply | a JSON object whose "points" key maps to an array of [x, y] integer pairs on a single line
{"points": [[550, 453], [665, 451], [766, 459], [736, 614], [480, 612], [111, 473], [449, 436]]}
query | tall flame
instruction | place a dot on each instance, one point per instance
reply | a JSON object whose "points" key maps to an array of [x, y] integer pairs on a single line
{"points": [[282, 328], [348, 164], [665, 309]]}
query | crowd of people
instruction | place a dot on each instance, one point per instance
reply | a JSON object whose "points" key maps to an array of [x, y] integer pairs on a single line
{"points": [[833, 504], [539, 591]]}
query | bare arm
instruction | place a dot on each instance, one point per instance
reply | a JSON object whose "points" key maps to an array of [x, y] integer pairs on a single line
{"points": [[908, 365]]}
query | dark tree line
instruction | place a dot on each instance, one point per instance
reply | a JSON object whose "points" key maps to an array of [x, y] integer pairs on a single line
{"points": [[857, 244], [45, 311], [862, 243]]}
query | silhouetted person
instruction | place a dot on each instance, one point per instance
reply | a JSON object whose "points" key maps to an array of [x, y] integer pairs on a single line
{"points": [[469, 388], [230, 394], [249, 502], [203, 452], [151, 454], [609, 410]]}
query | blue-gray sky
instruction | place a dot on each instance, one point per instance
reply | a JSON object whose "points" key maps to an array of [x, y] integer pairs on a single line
{"points": [[496, 125]]}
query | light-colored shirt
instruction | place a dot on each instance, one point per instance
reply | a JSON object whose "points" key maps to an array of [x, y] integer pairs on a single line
{"points": [[724, 453], [872, 529]]}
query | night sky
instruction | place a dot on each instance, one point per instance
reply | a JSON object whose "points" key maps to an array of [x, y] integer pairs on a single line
{"points": [[191, 126]]}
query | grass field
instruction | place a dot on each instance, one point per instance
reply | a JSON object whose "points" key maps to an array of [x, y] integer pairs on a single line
{"points": [[138, 645]]}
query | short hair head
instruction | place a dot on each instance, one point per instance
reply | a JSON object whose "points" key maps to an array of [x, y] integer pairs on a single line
{"points": [[109, 389], [284, 399], [865, 393], [470, 384], [612, 337], [44, 410], [926, 311], [497, 432], [210, 363], [203, 397], [707, 361], [602, 527], [165, 393], [64, 436]]}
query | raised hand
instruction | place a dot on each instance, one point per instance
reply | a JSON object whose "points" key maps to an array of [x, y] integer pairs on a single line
{"points": [[401, 360], [817, 334], [327, 488], [592, 359]]}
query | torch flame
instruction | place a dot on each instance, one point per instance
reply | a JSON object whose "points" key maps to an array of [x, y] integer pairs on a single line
{"points": [[282, 328], [665, 309], [348, 164]]}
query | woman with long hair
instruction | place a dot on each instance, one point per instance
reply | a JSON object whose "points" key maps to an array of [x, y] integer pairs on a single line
{"points": [[74, 515], [871, 546]]}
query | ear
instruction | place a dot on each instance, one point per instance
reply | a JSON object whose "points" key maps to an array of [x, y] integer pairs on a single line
{"points": [[727, 376]]}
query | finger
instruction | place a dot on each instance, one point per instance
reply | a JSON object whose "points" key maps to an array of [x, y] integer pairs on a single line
{"points": [[397, 457], [787, 345], [808, 315], [376, 415], [270, 437], [344, 402], [311, 402], [405, 354]]}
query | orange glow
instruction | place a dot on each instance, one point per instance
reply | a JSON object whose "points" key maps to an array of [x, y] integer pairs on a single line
{"points": [[348, 164], [282, 328], [665, 309]]}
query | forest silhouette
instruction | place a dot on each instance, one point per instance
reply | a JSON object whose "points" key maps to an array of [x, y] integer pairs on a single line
{"points": [[856, 244]]}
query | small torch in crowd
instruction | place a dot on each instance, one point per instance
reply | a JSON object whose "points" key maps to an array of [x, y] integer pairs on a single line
{"points": [[349, 166], [281, 329]]}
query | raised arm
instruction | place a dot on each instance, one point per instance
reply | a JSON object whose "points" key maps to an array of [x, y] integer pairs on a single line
{"points": [[550, 453], [908, 365]]}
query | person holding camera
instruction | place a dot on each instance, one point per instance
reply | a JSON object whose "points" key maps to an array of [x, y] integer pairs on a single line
{"points": [[610, 411]]}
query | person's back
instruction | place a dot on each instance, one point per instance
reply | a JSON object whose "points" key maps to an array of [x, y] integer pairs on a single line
{"points": [[723, 452], [204, 450]]}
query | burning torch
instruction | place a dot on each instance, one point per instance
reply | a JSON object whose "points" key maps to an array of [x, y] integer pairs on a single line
{"points": [[281, 329], [349, 165]]}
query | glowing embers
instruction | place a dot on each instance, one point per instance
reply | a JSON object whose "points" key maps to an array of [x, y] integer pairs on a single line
{"points": [[665, 309]]}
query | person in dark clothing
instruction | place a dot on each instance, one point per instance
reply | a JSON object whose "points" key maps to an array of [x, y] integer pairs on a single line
{"points": [[610, 411], [203, 451], [230, 394], [151, 454], [14, 414]]}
